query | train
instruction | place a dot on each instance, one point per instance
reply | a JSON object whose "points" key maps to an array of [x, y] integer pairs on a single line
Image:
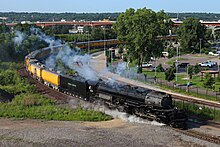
{"points": [[132, 99]]}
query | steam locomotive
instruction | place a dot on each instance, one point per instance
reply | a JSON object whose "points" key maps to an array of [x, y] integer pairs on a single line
{"points": [[136, 100]]}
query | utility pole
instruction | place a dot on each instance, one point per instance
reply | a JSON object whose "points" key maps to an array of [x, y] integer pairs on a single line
{"points": [[88, 42], [200, 44], [155, 70], [105, 48], [176, 62]]}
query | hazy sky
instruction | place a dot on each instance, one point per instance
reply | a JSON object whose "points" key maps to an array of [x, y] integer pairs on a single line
{"points": [[108, 5]]}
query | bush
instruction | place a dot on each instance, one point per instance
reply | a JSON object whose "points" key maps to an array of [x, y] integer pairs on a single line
{"points": [[29, 99], [160, 68]]}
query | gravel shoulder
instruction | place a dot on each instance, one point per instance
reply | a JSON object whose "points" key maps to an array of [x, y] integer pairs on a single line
{"points": [[116, 132]]}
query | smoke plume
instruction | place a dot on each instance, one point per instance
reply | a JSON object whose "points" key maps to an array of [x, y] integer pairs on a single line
{"points": [[50, 40], [19, 37], [74, 60], [75, 103]]}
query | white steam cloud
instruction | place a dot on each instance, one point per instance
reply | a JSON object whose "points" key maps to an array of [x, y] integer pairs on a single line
{"points": [[75, 103], [73, 60], [19, 37], [50, 40]]}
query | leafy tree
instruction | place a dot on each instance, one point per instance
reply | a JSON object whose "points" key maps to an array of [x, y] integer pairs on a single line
{"points": [[209, 81], [97, 33], [190, 32], [190, 71], [4, 28], [160, 68], [208, 34], [196, 69], [139, 29], [120, 49], [169, 74], [218, 78]]}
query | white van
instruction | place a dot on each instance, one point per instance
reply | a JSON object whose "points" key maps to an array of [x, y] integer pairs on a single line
{"points": [[165, 54]]}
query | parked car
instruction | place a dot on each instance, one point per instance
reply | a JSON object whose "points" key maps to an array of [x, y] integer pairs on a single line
{"points": [[146, 65], [212, 62], [208, 64], [214, 54], [183, 65]]}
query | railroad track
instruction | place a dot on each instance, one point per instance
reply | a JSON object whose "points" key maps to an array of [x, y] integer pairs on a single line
{"points": [[45, 90], [200, 135], [197, 101]]}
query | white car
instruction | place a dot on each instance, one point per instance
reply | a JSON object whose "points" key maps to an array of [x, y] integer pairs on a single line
{"points": [[212, 62], [214, 54], [146, 65], [207, 64]]}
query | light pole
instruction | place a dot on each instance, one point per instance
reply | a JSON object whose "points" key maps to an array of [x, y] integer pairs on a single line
{"points": [[176, 62], [200, 46], [88, 41], [105, 48], [155, 70]]}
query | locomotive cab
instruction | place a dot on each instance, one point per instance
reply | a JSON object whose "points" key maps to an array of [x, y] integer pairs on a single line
{"points": [[178, 118], [166, 101], [159, 99]]}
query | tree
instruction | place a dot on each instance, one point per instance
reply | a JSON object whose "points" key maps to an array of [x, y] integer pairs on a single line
{"points": [[196, 69], [139, 29], [209, 81], [169, 74], [190, 32], [120, 50], [97, 33], [160, 68], [190, 71]]}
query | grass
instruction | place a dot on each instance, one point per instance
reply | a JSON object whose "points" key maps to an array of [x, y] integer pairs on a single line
{"points": [[29, 104], [159, 75], [183, 91], [35, 106], [172, 60], [208, 113], [181, 78]]}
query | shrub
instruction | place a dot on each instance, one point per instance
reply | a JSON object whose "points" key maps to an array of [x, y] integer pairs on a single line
{"points": [[160, 68], [29, 99]]}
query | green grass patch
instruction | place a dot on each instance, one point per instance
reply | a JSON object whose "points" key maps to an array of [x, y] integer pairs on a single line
{"points": [[36, 106], [172, 60], [208, 113], [159, 75]]}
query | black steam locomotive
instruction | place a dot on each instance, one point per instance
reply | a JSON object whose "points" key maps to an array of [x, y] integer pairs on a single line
{"points": [[135, 100]]}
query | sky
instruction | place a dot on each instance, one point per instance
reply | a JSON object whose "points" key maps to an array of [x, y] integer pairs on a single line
{"points": [[177, 6]]}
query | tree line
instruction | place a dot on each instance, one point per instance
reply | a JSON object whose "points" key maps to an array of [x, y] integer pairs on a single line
{"points": [[34, 16]]}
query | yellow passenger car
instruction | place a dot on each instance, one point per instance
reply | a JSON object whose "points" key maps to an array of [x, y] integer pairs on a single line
{"points": [[51, 77], [36, 70]]}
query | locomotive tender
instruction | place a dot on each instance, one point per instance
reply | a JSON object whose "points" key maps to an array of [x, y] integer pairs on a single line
{"points": [[136, 100]]}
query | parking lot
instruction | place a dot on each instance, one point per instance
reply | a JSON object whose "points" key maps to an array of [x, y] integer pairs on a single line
{"points": [[192, 59]]}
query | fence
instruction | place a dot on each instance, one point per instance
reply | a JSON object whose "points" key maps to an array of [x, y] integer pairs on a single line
{"points": [[206, 112], [192, 90]]}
